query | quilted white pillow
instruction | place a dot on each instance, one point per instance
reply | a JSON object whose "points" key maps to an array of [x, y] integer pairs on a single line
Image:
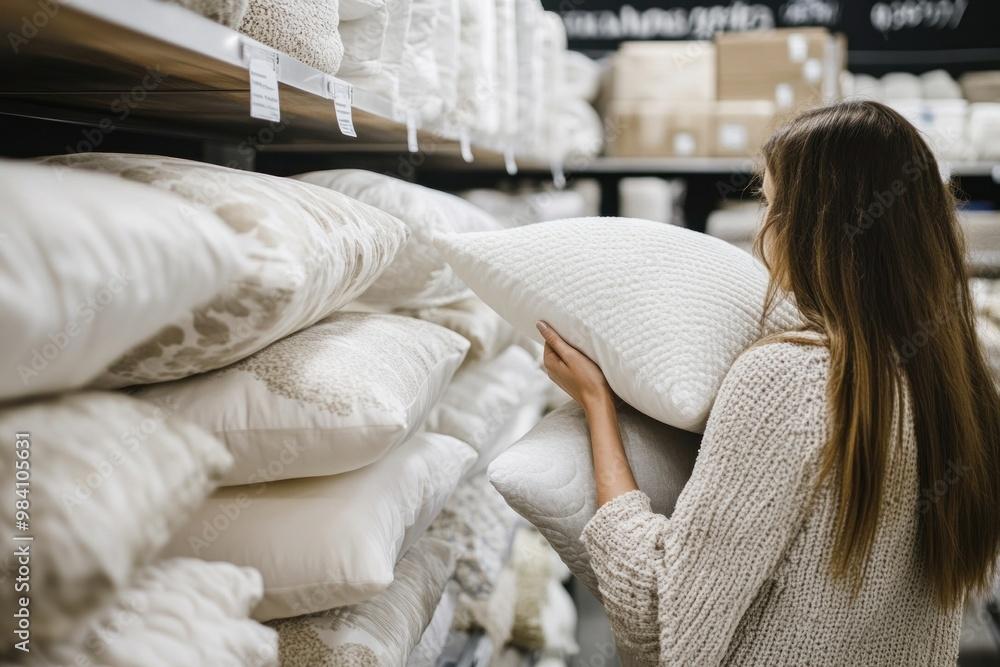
{"points": [[488, 333], [176, 612], [663, 310], [419, 276], [332, 398], [325, 542], [380, 631], [112, 477], [307, 30], [75, 267], [484, 396], [310, 252], [548, 477]]}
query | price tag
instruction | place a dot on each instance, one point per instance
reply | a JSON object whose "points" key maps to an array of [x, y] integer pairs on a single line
{"points": [[343, 101], [465, 145], [263, 67], [509, 163], [684, 143], [411, 131], [798, 47]]}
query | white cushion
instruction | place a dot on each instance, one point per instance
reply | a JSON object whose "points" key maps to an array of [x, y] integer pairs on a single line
{"points": [[432, 643], [373, 49], [663, 310], [176, 612], [488, 333], [484, 396], [311, 251], [419, 276], [325, 542], [307, 30], [352, 10], [477, 71], [419, 81], [534, 401], [548, 477], [75, 267], [447, 45], [111, 478], [507, 72], [380, 631], [332, 398]]}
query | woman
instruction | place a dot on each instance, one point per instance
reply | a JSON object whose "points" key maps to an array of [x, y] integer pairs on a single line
{"points": [[843, 502]]}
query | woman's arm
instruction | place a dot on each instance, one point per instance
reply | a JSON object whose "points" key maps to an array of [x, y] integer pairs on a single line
{"points": [[676, 589]]}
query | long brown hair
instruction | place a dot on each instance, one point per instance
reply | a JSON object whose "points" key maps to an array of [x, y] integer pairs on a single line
{"points": [[862, 231]]}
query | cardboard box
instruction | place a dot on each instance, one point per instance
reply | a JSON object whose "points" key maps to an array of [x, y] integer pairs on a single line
{"points": [[661, 129], [665, 71], [741, 128], [792, 67]]}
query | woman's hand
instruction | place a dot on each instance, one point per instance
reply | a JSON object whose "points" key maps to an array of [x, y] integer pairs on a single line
{"points": [[573, 371]]}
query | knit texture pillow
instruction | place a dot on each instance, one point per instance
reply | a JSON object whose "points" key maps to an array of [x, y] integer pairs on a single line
{"points": [[663, 310], [548, 477], [332, 398], [307, 30], [310, 252], [227, 12]]}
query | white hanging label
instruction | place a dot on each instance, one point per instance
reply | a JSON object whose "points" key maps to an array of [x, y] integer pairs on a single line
{"points": [[411, 131], [343, 102], [464, 145], [508, 161], [264, 101], [812, 70], [784, 95], [733, 136], [684, 143], [558, 174]]}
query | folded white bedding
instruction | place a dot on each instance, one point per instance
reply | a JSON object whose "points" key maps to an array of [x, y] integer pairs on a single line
{"points": [[552, 134], [307, 30], [507, 72], [325, 542], [419, 82], [582, 76], [477, 70], [115, 476], [381, 631], [447, 46], [374, 49], [532, 61], [582, 128], [176, 612]]}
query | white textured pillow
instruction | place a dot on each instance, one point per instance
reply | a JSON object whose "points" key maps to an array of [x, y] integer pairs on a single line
{"points": [[332, 398], [352, 10], [304, 29], [548, 477], [325, 542], [111, 478], [373, 49], [419, 276], [534, 400], [380, 631], [432, 643], [663, 310], [176, 612], [75, 267], [419, 81], [488, 333], [484, 396], [311, 251]]}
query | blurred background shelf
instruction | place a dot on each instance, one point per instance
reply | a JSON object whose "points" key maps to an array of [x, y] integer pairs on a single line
{"points": [[157, 68]]}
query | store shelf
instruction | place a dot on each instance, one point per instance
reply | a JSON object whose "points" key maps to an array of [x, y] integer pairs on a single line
{"points": [[152, 66]]}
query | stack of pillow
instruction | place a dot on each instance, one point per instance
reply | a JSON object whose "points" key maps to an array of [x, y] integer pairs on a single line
{"points": [[227, 303]]}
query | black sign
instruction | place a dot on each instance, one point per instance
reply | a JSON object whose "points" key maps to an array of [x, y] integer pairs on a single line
{"points": [[893, 34]]}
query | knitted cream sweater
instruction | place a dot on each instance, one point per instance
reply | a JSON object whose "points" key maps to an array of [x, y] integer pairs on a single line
{"points": [[738, 575]]}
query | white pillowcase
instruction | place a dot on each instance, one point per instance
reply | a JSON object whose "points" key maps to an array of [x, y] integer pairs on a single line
{"points": [[113, 477], [310, 252], [332, 398], [352, 10], [488, 333], [307, 30], [75, 267], [325, 542], [431, 646], [419, 276], [476, 107], [534, 401], [663, 310], [379, 631], [548, 477], [373, 49], [484, 396], [419, 81], [177, 612]]}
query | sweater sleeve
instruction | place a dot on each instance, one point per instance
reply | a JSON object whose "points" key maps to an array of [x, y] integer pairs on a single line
{"points": [[675, 589]]}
